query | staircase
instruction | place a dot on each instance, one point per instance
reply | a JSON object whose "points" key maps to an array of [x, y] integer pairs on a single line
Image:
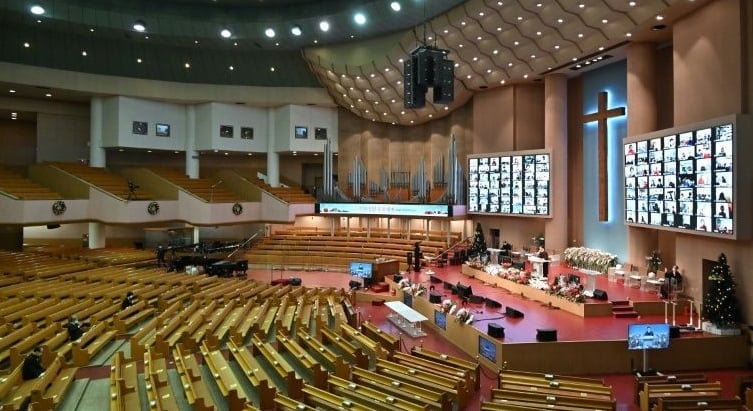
{"points": [[623, 309]]}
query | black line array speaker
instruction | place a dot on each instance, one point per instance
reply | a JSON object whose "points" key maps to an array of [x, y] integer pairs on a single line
{"points": [[545, 334], [444, 88], [414, 93], [600, 294], [496, 330], [513, 313]]}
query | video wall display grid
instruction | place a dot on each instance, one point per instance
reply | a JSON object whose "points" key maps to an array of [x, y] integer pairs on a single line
{"points": [[509, 183], [683, 180]]}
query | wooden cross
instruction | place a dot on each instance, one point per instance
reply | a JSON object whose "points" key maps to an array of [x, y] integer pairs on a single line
{"points": [[602, 115]]}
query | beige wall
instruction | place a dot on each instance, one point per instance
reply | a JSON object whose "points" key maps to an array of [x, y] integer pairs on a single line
{"points": [[711, 77], [18, 142]]}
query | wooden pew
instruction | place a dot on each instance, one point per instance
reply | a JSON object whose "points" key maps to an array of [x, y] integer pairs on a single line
{"points": [[254, 373], [13, 338], [388, 341], [304, 359], [692, 378], [158, 390], [353, 353], [14, 391], [196, 391], [251, 322], [708, 405], [651, 393], [213, 319], [453, 386], [331, 360], [321, 399], [269, 320], [369, 396], [583, 390], [283, 403], [473, 367], [373, 348], [91, 343], [555, 391], [131, 316], [546, 401], [293, 382], [61, 315], [438, 368], [433, 399], [230, 322], [19, 350], [52, 385], [511, 375], [225, 378]]}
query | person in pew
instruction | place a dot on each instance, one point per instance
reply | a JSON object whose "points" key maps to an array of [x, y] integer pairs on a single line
{"points": [[75, 328], [672, 280], [161, 256], [128, 300], [32, 366]]}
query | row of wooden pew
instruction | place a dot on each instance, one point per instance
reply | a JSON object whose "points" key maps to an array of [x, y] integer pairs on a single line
{"points": [[687, 391]]}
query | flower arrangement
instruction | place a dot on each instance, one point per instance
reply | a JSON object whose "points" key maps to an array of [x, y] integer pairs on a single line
{"points": [[654, 261], [477, 263], [405, 285], [418, 289], [571, 293], [589, 258], [448, 306], [464, 316]]}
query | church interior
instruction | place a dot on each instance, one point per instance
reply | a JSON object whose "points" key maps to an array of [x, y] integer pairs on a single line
{"points": [[376, 205]]}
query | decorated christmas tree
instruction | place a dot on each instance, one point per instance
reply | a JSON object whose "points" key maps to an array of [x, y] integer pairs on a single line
{"points": [[478, 248], [720, 304]]}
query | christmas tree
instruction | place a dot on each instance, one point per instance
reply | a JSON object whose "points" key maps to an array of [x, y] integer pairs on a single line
{"points": [[720, 304], [478, 248]]}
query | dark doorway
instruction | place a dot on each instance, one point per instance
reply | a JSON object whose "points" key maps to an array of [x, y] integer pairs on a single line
{"points": [[494, 234]]}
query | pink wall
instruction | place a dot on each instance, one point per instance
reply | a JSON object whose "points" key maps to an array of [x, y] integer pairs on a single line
{"points": [[710, 77]]}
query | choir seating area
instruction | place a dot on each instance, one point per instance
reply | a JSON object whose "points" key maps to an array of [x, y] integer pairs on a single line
{"points": [[204, 188], [105, 180], [15, 185], [313, 249], [103, 256], [291, 195]]}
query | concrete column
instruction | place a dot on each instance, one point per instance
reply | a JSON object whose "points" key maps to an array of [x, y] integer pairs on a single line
{"points": [[96, 235], [642, 118], [192, 156], [97, 156], [195, 237], [555, 139], [273, 158]]}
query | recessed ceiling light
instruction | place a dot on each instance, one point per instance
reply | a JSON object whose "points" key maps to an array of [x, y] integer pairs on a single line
{"points": [[445, 31], [37, 9], [316, 41], [27, 45], [460, 45], [581, 5], [605, 21], [269, 32], [139, 60], [556, 46], [520, 18], [324, 25], [226, 34], [495, 51], [187, 65], [632, 4], [580, 35], [660, 17], [516, 43], [479, 38], [235, 43], [468, 76], [277, 43], [395, 6], [509, 64], [148, 151], [196, 42], [429, 38], [272, 68], [601, 48], [48, 94], [560, 21], [83, 53], [475, 58], [11, 91], [296, 30], [91, 30], [502, 82], [525, 75], [231, 68], [250, 154], [359, 18], [533, 56], [139, 26], [146, 37], [629, 34], [462, 23], [481, 13]]}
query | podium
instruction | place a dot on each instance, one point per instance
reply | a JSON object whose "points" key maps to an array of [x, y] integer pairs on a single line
{"points": [[537, 264], [494, 255], [590, 281]]}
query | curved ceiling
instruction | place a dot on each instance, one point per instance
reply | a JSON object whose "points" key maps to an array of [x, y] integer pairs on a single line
{"points": [[492, 42]]}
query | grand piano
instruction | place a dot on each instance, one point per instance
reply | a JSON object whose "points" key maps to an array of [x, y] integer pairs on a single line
{"points": [[214, 259]]}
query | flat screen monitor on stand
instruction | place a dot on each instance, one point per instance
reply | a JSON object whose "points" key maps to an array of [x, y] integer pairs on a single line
{"points": [[361, 270], [648, 337]]}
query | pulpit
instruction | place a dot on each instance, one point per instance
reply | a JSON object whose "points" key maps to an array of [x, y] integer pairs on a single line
{"points": [[590, 281], [494, 255], [537, 264]]}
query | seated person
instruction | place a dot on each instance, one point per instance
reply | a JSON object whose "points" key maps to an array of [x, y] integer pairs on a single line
{"points": [[128, 300], [32, 366], [75, 328], [672, 280]]}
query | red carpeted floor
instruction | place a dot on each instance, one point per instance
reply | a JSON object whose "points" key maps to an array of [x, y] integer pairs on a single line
{"points": [[569, 327]]}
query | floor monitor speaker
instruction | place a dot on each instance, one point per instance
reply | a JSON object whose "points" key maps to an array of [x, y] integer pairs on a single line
{"points": [[544, 334], [513, 313], [600, 294], [496, 330]]}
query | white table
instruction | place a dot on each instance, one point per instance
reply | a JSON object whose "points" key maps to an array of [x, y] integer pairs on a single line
{"points": [[494, 255], [538, 265], [406, 318]]}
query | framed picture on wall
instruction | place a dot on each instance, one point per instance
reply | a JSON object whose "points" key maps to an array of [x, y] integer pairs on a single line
{"points": [[162, 130], [301, 132], [227, 131], [247, 133], [320, 133], [140, 127]]}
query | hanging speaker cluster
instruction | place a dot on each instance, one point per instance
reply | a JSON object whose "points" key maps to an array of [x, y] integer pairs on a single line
{"points": [[428, 67]]}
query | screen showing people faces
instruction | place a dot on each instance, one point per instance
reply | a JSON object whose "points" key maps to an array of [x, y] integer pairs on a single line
{"points": [[509, 184], [682, 181]]}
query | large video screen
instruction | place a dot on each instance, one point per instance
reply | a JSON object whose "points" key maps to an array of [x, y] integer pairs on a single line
{"points": [[683, 180], [509, 183], [648, 336]]}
